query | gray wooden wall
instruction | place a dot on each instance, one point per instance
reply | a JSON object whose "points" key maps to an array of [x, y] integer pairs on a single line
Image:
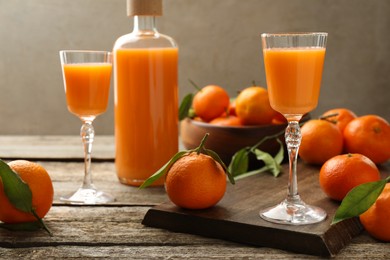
{"points": [[219, 43]]}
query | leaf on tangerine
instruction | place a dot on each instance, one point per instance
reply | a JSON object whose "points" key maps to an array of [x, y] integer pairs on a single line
{"points": [[163, 170], [216, 157], [359, 200], [16, 190]]}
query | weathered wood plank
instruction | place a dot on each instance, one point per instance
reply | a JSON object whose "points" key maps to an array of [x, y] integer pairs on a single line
{"points": [[90, 232], [68, 176], [95, 225], [122, 235], [97, 231], [206, 251], [115, 230], [54, 147]]}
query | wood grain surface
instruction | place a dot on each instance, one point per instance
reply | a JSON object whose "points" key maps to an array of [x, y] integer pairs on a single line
{"points": [[116, 231]]}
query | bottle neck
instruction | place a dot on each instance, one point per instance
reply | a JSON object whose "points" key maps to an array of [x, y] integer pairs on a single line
{"points": [[144, 25]]}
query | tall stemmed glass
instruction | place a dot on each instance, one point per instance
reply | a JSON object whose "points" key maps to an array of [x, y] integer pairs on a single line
{"points": [[293, 66], [87, 79]]}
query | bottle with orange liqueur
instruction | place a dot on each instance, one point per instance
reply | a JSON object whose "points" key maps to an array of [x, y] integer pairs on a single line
{"points": [[146, 96]]}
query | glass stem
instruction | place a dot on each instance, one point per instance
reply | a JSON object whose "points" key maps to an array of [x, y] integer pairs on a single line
{"points": [[87, 133], [293, 140]]}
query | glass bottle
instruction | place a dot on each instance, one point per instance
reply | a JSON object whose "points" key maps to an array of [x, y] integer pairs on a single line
{"points": [[146, 96]]}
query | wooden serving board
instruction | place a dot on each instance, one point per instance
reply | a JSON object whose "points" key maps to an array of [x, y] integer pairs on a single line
{"points": [[236, 216]]}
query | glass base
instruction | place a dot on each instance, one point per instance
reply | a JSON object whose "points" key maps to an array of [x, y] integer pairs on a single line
{"points": [[297, 213], [88, 197]]}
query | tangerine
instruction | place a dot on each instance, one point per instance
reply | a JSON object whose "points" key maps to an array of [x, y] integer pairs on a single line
{"points": [[321, 140], [210, 102], [232, 107], [342, 173], [195, 181], [376, 219], [253, 107], [279, 119], [227, 121], [342, 117], [368, 135], [38, 179]]}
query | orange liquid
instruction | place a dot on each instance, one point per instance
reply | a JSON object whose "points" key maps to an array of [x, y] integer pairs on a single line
{"points": [[294, 78], [87, 87], [146, 112]]}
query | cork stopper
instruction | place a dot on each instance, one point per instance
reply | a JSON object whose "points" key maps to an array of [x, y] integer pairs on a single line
{"points": [[144, 7]]}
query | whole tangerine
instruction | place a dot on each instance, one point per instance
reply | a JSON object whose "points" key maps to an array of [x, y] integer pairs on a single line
{"points": [[342, 173], [253, 107], [368, 135], [195, 181], [39, 181], [210, 102], [376, 219], [321, 140]]}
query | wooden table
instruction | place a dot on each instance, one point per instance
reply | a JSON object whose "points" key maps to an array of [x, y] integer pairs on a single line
{"points": [[115, 230]]}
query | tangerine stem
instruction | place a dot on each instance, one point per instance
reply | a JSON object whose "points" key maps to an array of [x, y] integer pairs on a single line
{"points": [[328, 116], [268, 137], [200, 148], [195, 85]]}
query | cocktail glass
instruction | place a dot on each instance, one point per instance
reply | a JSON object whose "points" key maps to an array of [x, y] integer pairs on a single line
{"points": [[87, 79], [293, 65]]}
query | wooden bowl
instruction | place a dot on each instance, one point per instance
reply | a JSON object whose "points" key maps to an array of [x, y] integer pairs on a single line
{"points": [[227, 140]]}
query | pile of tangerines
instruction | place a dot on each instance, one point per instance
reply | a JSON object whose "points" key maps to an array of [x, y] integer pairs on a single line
{"points": [[213, 105], [348, 148]]}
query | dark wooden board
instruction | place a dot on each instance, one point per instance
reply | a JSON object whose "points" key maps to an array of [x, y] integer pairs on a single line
{"points": [[236, 216]]}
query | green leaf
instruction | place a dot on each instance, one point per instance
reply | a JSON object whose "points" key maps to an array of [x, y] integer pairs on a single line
{"points": [[359, 200], [240, 162], [216, 157], [280, 155], [27, 226], [278, 159], [16, 190], [163, 170], [250, 173], [185, 106], [270, 163]]}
